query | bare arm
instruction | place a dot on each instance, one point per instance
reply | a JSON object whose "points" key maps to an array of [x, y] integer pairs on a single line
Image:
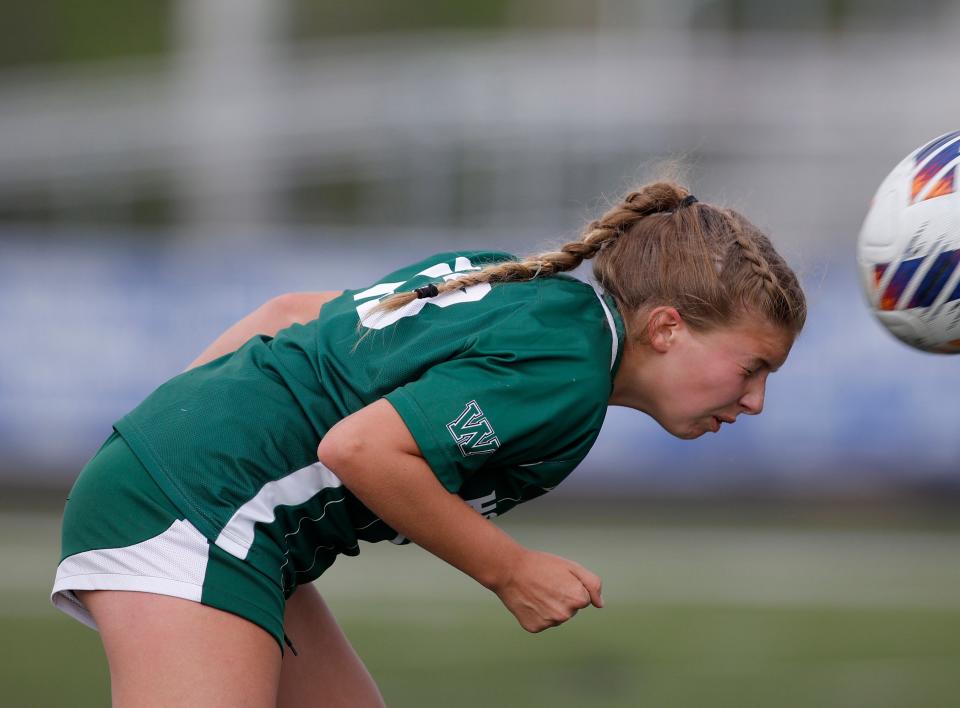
{"points": [[269, 318], [374, 455]]}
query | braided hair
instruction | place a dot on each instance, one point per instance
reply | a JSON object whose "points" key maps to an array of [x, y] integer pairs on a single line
{"points": [[660, 246]]}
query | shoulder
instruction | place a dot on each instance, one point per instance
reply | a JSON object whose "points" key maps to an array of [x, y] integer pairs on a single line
{"points": [[554, 338], [558, 314]]}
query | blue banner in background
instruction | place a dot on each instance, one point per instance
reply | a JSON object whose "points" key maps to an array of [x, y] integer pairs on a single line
{"points": [[90, 328]]}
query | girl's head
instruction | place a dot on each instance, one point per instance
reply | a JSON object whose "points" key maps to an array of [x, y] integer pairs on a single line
{"points": [[711, 308], [706, 299]]}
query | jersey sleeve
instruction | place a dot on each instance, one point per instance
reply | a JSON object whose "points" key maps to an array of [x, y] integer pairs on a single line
{"points": [[504, 410]]}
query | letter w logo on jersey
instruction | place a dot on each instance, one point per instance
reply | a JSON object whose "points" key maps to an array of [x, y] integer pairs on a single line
{"points": [[472, 432]]}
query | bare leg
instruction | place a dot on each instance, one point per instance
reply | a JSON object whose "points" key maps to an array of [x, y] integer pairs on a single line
{"points": [[327, 671], [166, 651]]}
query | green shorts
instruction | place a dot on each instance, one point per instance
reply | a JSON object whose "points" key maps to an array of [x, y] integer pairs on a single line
{"points": [[121, 532]]}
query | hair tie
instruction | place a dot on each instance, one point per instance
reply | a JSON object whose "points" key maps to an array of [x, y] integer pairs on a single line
{"points": [[429, 290], [687, 201]]}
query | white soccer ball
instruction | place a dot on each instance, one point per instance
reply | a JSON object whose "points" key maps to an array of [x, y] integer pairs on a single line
{"points": [[909, 248]]}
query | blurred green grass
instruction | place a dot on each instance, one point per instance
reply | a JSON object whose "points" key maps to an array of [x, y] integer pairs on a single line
{"points": [[731, 614]]}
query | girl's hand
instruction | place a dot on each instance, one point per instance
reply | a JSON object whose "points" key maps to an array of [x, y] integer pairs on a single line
{"points": [[543, 590]]}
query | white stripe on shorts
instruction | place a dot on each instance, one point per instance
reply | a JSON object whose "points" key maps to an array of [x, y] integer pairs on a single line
{"points": [[298, 487], [172, 563]]}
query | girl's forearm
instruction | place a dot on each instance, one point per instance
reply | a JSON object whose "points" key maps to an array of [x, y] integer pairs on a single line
{"points": [[392, 480], [414, 503], [373, 453]]}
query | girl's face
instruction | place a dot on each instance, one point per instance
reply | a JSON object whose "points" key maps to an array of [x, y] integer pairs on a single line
{"points": [[693, 382]]}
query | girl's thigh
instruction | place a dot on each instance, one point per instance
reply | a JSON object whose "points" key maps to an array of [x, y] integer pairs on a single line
{"points": [[326, 671], [166, 651]]}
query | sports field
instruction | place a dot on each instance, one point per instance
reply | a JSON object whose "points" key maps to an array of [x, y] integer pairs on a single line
{"points": [[699, 613]]}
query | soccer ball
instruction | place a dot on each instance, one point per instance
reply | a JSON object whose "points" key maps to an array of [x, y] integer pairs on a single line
{"points": [[909, 248]]}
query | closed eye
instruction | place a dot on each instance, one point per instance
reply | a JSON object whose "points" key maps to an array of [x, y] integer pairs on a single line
{"points": [[757, 365]]}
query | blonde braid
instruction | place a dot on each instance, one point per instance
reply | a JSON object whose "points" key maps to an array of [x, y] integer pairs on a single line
{"points": [[758, 263], [655, 198], [784, 297]]}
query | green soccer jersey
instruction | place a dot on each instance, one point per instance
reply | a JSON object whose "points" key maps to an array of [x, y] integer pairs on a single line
{"points": [[504, 388]]}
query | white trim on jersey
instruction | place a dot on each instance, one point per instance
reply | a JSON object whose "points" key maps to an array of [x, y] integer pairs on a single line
{"points": [[173, 563], [298, 487], [613, 326]]}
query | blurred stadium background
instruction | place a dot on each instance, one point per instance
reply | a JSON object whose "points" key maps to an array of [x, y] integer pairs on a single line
{"points": [[167, 166]]}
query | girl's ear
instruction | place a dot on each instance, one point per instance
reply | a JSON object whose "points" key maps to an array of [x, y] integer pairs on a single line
{"points": [[663, 325]]}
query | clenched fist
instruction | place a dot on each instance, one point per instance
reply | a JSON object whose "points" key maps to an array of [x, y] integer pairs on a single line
{"points": [[543, 590]]}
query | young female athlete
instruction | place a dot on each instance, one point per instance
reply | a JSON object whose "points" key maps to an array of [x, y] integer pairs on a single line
{"points": [[450, 391]]}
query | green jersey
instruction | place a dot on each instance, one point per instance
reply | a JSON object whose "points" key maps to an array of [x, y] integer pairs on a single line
{"points": [[504, 388]]}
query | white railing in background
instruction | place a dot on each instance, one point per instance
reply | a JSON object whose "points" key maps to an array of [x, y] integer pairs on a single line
{"points": [[768, 119]]}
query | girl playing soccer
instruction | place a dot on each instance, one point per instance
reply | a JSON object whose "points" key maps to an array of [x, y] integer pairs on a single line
{"points": [[410, 410]]}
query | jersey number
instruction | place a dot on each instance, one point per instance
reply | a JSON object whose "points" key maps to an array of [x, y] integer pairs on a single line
{"points": [[385, 319]]}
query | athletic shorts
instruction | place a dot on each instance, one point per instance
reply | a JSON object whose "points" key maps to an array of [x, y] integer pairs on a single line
{"points": [[121, 532]]}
